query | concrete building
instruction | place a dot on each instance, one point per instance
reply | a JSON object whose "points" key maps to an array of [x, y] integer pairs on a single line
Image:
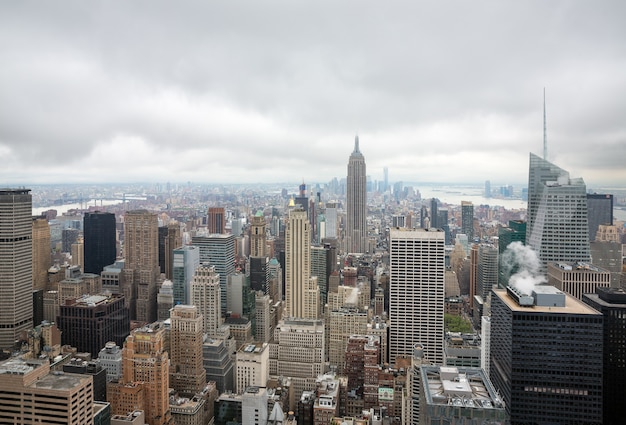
{"points": [[218, 363], [344, 323], [326, 405], [298, 352], [263, 317], [16, 268], [187, 374], [165, 300], [416, 294], [41, 253], [110, 358], [301, 290], [546, 356], [459, 395], [356, 202], [141, 250], [188, 411], [252, 366], [578, 278], [205, 294], [31, 394]]}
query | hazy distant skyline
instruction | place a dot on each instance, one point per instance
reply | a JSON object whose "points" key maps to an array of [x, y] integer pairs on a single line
{"points": [[275, 91]]}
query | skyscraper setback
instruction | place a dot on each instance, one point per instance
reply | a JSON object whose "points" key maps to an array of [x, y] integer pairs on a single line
{"points": [[356, 202], [16, 233]]}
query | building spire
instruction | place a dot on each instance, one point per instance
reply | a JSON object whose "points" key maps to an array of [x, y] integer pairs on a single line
{"points": [[356, 144], [545, 130]]}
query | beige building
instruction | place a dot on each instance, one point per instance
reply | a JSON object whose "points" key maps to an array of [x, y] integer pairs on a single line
{"points": [[344, 322], [578, 278], [263, 317], [205, 294], [298, 352], [78, 253], [301, 290], [31, 394], [41, 253], [188, 376], [257, 236], [252, 366]]}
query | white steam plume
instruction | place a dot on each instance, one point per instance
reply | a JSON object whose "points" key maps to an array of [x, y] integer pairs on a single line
{"points": [[525, 265]]}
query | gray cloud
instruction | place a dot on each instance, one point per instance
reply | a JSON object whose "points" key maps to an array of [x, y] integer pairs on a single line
{"points": [[277, 90]]}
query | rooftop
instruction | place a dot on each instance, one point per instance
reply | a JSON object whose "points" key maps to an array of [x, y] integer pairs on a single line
{"points": [[572, 305]]}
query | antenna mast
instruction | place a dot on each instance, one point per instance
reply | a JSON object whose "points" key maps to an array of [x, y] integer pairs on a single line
{"points": [[545, 131]]}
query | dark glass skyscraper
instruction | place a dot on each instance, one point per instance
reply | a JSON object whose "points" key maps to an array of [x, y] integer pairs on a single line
{"points": [[99, 235], [599, 211], [356, 202]]}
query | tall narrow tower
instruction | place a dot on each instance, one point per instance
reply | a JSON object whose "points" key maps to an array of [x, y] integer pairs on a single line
{"points": [[216, 220], [356, 202], [205, 294], [16, 268], [298, 282], [187, 376], [416, 292]]}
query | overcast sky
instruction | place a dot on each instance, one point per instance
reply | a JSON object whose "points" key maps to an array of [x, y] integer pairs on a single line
{"points": [[275, 91]]}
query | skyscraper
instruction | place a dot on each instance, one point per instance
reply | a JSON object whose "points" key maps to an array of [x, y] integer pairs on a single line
{"points": [[546, 356], [557, 229], [188, 376], [216, 221], [99, 241], [141, 248], [41, 253], [416, 292], [356, 202], [186, 260], [218, 251], [205, 294], [16, 268], [257, 235], [599, 211], [299, 298], [467, 219]]}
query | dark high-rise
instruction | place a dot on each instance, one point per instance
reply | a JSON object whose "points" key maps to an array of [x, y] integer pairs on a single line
{"points": [[99, 241], [611, 302], [216, 220], [599, 211], [546, 356]]}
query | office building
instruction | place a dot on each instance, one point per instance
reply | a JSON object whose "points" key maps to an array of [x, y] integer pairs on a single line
{"points": [[216, 220], [515, 232], [188, 410], [187, 376], [77, 251], [218, 364], [41, 253], [186, 260], [110, 358], [298, 352], [30, 394], [146, 365], [99, 240], [343, 323], [611, 302], [16, 268], [258, 235], [330, 216], [170, 238], [459, 395], [578, 278], [90, 321], [557, 228], [416, 292], [68, 237], [301, 291], [467, 219], [546, 356], [259, 273], [599, 212], [219, 251], [356, 202], [263, 332], [254, 403], [434, 214], [323, 263], [252, 366], [95, 370], [165, 300], [141, 272], [205, 294]]}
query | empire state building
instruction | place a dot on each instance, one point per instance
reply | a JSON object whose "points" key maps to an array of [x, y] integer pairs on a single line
{"points": [[356, 229]]}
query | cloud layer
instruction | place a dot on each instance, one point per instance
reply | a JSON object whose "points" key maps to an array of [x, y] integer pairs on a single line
{"points": [[270, 91]]}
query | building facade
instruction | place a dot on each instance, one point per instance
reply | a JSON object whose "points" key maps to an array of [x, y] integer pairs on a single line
{"points": [[99, 236], [356, 202]]}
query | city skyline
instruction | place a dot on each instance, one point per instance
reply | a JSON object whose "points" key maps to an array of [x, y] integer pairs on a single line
{"points": [[211, 93]]}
